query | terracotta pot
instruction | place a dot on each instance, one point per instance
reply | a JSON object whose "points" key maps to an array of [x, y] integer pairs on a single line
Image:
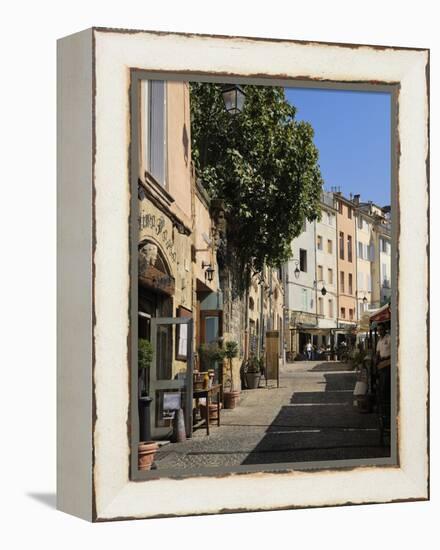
{"points": [[231, 399], [146, 453], [213, 416]]}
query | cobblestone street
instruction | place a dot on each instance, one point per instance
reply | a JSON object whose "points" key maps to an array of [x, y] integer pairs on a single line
{"points": [[309, 417]]}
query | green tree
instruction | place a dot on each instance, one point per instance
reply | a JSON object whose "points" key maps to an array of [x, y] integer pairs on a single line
{"points": [[263, 164]]}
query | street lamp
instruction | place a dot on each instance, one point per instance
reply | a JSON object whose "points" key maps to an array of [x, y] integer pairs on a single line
{"points": [[209, 273], [233, 96], [323, 289]]}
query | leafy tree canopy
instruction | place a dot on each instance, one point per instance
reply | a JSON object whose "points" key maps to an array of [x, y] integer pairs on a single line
{"points": [[263, 164]]}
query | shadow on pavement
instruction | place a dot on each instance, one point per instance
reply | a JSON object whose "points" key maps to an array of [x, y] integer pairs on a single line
{"points": [[331, 367], [321, 426]]}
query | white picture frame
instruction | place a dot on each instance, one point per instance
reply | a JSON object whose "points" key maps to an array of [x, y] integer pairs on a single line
{"points": [[94, 68]]}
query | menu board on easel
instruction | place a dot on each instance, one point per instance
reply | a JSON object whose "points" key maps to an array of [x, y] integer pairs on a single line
{"points": [[272, 355]]}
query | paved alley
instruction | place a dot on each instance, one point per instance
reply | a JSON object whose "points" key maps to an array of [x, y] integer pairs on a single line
{"points": [[309, 417]]}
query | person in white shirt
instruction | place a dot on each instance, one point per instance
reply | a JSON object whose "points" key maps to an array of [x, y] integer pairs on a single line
{"points": [[383, 366], [309, 349], [383, 348]]}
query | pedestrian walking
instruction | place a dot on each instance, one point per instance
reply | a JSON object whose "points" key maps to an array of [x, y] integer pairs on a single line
{"points": [[309, 350]]}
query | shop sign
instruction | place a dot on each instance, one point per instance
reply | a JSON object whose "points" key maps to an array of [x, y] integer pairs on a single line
{"points": [[156, 225]]}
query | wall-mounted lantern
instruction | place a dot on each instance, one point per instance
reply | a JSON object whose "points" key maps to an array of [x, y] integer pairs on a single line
{"points": [[209, 271], [323, 289], [233, 96]]}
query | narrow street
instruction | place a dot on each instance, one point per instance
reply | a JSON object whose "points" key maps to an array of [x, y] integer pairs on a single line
{"points": [[309, 417]]}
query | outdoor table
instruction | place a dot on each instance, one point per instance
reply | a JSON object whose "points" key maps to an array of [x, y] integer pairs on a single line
{"points": [[208, 393]]}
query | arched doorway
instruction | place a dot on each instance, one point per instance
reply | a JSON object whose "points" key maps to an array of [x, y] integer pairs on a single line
{"points": [[156, 323]]}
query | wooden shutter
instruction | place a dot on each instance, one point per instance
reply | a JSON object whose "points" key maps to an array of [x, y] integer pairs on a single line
{"points": [[157, 131]]}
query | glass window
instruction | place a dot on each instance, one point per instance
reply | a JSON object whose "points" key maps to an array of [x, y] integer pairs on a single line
{"points": [[343, 312], [342, 277], [330, 276], [350, 212], [211, 329], [350, 283], [341, 245], [319, 242], [320, 273], [154, 128], [329, 246], [349, 248], [330, 308], [303, 260]]}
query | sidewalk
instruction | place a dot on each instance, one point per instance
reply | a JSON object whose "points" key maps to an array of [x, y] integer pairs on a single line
{"points": [[309, 417]]}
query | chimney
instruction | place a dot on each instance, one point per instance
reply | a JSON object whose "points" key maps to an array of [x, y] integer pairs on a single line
{"points": [[357, 199]]}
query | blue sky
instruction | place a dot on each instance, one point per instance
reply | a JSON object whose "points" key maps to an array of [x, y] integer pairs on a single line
{"points": [[353, 135]]}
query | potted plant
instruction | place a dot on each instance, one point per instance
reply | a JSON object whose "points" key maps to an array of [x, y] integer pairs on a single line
{"points": [[253, 371], [231, 397], [147, 448], [209, 354]]}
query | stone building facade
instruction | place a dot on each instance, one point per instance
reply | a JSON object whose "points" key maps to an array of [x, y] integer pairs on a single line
{"points": [[326, 272], [182, 260], [347, 266], [348, 252]]}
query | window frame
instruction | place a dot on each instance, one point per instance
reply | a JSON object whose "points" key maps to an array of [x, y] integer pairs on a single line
{"points": [[146, 129]]}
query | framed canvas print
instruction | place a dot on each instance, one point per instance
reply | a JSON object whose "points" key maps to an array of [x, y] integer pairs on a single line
{"points": [[243, 294]]}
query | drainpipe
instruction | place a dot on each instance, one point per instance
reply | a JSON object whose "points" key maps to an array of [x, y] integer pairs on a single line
{"points": [[246, 324], [337, 269], [316, 273]]}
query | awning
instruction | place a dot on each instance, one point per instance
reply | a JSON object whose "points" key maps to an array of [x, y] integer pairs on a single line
{"points": [[382, 314]]}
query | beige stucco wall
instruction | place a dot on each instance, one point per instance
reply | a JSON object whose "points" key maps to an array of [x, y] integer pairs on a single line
{"points": [[159, 224], [179, 146], [204, 252]]}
